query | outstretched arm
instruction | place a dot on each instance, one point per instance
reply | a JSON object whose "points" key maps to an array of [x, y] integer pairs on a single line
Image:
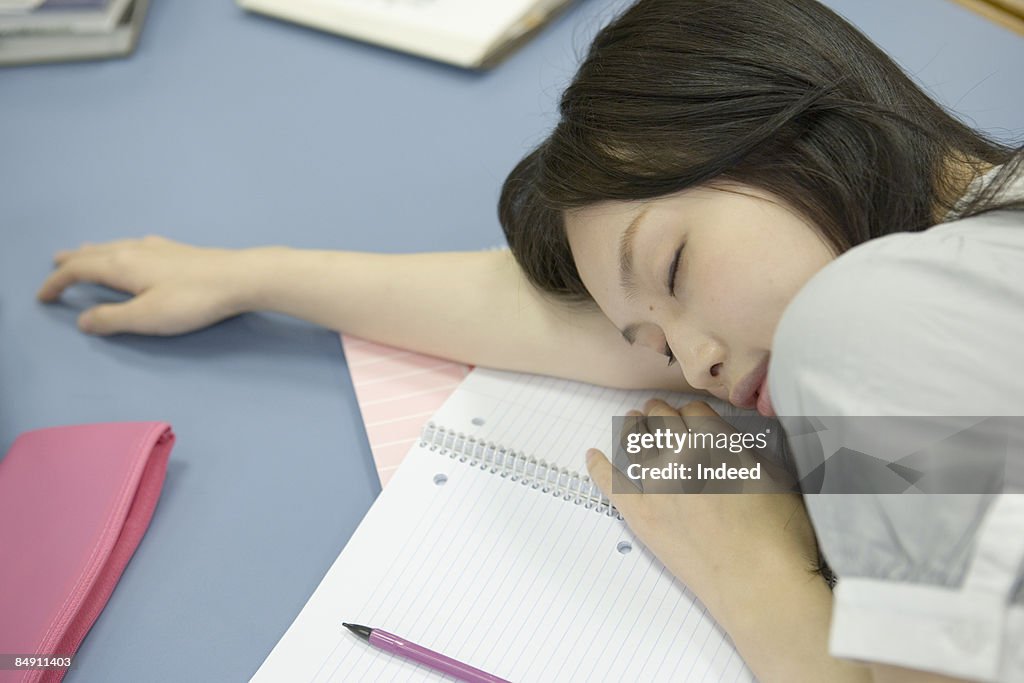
{"points": [[474, 307]]}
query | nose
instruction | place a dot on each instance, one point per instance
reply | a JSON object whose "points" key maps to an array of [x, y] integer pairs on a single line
{"points": [[702, 362]]}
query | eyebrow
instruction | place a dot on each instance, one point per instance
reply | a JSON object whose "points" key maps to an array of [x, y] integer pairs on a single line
{"points": [[626, 253], [626, 269]]}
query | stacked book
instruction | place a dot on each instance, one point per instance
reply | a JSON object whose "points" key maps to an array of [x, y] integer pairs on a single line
{"points": [[58, 30]]}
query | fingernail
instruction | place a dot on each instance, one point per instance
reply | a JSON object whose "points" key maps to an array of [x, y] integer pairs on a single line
{"points": [[85, 323]]}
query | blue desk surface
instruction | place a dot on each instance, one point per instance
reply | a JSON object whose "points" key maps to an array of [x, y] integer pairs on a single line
{"points": [[232, 129]]}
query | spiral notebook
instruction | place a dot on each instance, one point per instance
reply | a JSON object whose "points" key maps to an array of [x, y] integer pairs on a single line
{"points": [[490, 547]]}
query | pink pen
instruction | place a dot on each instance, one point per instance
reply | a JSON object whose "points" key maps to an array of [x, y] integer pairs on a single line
{"points": [[421, 655]]}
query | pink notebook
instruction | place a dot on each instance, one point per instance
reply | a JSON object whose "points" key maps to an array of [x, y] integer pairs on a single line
{"points": [[398, 391], [74, 504]]}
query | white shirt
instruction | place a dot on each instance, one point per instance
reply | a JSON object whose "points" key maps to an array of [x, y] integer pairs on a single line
{"points": [[927, 324]]}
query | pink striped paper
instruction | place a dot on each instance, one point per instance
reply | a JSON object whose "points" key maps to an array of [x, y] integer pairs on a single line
{"points": [[397, 391]]}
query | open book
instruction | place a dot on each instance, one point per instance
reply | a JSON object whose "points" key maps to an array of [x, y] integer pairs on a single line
{"points": [[473, 34], [489, 546]]}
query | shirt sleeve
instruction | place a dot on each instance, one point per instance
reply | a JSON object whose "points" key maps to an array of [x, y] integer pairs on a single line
{"points": [[923, 324]]}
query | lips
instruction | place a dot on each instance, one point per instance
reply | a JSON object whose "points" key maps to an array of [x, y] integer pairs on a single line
{"points": [[746, 393], [764, 401]]}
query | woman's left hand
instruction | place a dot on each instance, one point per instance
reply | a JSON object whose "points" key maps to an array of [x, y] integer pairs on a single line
{"points": [[714, 543]]}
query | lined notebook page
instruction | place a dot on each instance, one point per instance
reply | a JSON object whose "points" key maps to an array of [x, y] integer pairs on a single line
{"points": [[514, 581], [552, 419], [505, 577]]}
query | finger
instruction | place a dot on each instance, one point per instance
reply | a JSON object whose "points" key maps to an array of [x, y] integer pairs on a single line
{"points": [[135, 315], [633, 424], [700, 414], [774, 479], [64, 254], [82, 268], [629, 436], [698, 409], [658, 408], [622, 493], [661, 416], [651, 403]]}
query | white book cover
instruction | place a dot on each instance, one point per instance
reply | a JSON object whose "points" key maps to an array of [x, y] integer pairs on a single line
{"points": [[466, 33]]}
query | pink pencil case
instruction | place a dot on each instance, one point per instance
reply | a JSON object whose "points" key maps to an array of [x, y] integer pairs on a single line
{"points": [[74, 504]]}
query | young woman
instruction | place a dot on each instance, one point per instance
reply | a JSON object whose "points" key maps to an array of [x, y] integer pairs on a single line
{"points": [[757, 193]]}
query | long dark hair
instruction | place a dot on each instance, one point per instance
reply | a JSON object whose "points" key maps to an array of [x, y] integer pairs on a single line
{"points": [[782, 95]]}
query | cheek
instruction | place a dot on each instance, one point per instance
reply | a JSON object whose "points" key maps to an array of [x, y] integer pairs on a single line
{"points": [[741, 300], [775, 284]]}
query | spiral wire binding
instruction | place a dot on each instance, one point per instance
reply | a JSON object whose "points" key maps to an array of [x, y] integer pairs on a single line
{"points": [[517, 466]]}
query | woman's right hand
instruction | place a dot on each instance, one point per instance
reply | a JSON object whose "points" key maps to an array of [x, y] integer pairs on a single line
{"points": [[177, 288]]}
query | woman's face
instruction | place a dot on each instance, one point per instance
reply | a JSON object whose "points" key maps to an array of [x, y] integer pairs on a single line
{"points": [[703, 275]]}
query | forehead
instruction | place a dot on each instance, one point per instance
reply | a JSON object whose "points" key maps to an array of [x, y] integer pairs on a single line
{"points": [[728, 214], [601, 236], [718, 203]]}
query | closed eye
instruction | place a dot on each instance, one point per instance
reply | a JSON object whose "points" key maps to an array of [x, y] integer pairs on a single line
{"points": [[673, 270]]}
